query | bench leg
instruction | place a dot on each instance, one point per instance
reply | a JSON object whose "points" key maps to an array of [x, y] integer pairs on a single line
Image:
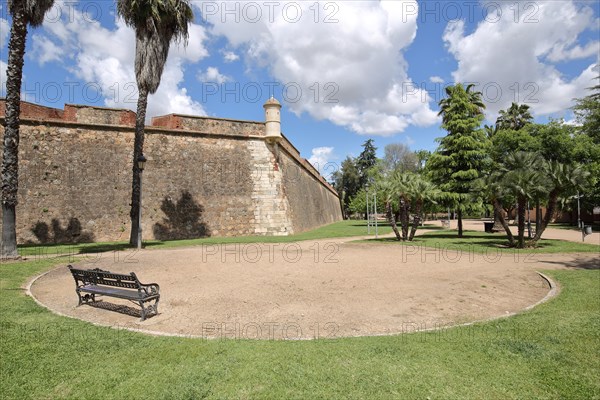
{"points": [[149, 309], [143, 311]]}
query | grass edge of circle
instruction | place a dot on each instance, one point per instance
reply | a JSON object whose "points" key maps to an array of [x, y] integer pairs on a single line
{"points": [[547, 351], [446, 239]]}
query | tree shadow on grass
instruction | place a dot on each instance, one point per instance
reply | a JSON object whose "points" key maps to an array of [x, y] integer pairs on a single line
{"points": [[579, 263], [183, 219]]}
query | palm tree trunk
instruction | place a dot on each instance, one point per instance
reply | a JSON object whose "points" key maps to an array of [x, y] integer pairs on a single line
{"points": [[521, 223], [497, 223], [138, 149], [460, 224], [552, 202], [417, 220], [390, 217], [10, 160], [538, 216], [499, 211], [404, 213]]}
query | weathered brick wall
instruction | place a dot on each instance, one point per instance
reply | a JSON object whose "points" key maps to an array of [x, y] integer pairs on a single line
{"points": [[75, 179]]}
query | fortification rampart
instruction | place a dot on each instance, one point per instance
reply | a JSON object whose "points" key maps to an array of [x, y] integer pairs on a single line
{"points": [[204, 177]]}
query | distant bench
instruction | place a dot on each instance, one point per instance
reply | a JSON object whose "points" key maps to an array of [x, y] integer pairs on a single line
{"points": [[92, 282]]}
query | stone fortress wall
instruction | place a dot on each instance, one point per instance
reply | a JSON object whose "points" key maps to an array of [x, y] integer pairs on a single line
{"points": [[204, 177]]}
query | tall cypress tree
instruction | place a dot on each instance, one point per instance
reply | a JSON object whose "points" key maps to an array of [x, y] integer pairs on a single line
{"points": [[461, 156], [366, 160]]}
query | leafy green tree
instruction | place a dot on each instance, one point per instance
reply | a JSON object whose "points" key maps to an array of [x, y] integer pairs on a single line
{"points": [[462, 154], [24, 13], [347, 182], [587, 113], [508, 141], [422, 157], [399, 157], [156, 23], [587, 146], [555, 140]]}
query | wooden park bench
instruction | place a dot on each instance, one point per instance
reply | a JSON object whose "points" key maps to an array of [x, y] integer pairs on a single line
{"points": [[92, 282]]}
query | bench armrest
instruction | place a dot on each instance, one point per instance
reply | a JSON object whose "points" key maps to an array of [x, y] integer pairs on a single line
{"points": [[150, 288]]}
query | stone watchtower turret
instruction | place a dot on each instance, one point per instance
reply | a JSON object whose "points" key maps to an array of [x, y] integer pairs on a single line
{"points": [[272, 120]]}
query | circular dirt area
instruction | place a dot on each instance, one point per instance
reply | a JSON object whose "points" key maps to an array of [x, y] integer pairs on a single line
{"points": [[305, 290]]}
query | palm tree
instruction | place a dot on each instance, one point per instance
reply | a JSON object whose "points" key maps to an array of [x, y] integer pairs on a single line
{"points": [[24, 13], [402, 183], [490, 130], [565, 180], [387, 189], [453, 102], [526, 181], [515, 118], [157, 23], [491, 187], [421, 192]]}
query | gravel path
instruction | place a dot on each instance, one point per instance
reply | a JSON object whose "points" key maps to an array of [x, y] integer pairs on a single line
{"points": [[303, 290]]}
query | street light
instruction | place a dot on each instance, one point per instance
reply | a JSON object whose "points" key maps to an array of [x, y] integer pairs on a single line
{"points": [[579, 196], [368, 211], [375, 209], [141, 161]]}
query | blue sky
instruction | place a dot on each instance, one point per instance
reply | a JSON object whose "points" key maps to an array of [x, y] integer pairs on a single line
{"points": [[344, 71]]}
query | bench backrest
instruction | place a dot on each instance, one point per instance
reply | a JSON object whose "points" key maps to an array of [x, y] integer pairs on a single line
{"points": [[99, 277]]}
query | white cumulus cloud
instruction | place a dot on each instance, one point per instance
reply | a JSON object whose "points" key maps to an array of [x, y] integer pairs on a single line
{"points": [[104, 59], [512, 60], [340, 61], [230, 56], [436, 79], [4, 32], [3, 66], [212, 75], [321, 158]]}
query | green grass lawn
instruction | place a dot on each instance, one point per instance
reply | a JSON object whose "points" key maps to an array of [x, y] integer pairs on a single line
{"points": [[481, 242], [336, 230], [339, 229], [550, 352], [564, 225]]}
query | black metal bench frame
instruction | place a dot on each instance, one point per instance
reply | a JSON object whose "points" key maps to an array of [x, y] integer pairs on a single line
{"points": [[96, 282]]}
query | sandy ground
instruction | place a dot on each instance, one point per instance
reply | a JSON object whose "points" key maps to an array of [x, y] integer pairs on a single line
{"points": [[312, 289]]}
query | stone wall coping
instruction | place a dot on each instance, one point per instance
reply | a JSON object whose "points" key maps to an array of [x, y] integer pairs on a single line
{"points": [[74, 124], [206, 117], [95, 107], [306, 164]]}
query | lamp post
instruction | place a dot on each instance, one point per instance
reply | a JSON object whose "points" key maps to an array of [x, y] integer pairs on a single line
{"points": [[579, 196], [375, 209], [141, 161], [368, 211]]}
